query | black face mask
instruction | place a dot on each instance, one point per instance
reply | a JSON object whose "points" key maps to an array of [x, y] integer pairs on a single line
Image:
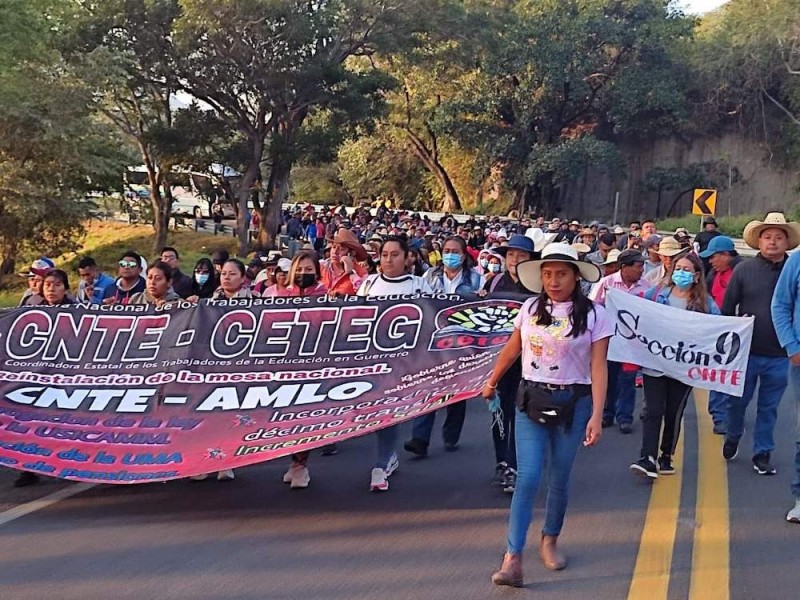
{"points": [[306, 280]]}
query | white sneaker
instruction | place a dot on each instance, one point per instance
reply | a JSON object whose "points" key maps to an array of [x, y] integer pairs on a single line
{"points": [[199, 477], [287, 477], [392, 465], [793, 516], [300, 477], [225, 475], [378, 483]]}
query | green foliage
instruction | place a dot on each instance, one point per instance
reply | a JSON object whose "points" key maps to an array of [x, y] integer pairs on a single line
{"points": [[730, 226]]}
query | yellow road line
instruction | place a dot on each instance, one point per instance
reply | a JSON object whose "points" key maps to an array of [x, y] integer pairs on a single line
{"points": [[711, 557], [654, 561]]}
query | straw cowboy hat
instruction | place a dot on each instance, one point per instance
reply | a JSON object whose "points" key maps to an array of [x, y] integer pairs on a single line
{"points": [[613, 257], [345, 237], [669, 246], [773, 220], [530, 271]]}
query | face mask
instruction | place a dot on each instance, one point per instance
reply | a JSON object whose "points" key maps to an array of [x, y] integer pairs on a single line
{"points": [[306, 280], [201, 278], [484, 263], [683, 279], [452, 261], [494, 268]]}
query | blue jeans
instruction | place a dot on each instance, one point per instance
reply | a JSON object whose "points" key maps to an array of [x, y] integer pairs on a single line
{"points": [[387, 442], [621, 394], [719, 405], [794, 373], [536, 445], [451, 430], [772, 375]]}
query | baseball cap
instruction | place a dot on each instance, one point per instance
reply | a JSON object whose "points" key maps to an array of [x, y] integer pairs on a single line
{"points": [[630, 257], [284, 264], [40, 266], [720, 243]]}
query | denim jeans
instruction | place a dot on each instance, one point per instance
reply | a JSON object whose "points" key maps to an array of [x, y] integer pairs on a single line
{"points": [[621, 394], [451, 430], [538, 445], [772, 375], [794, 373], [387, 442], [718, 405]]}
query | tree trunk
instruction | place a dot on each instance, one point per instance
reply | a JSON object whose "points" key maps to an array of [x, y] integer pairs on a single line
{"points": [[451, 202], [162, 207], [249, 179], [276, 194]]}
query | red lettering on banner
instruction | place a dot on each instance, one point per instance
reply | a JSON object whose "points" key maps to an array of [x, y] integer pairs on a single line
{"points": [[723, 376]]}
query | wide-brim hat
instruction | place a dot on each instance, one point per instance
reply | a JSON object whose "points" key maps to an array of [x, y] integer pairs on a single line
{"points": [[539, 237], [612, 257], [345, 237], [669, 246], [530, 271], [773, 220], [580, 247], [517, 242]]}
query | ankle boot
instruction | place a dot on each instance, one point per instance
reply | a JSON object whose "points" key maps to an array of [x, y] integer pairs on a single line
{"points": [[510, 572], [551, 557]]}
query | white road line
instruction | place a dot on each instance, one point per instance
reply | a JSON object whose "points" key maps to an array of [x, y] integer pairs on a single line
{"points": [[49, 500]]}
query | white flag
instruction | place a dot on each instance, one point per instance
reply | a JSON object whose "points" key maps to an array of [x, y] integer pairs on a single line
{"points": [[701, 350]]}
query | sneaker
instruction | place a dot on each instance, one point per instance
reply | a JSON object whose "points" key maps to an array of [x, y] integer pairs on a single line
{"points": [[289, 475], [202, 477], [625, 428], [665, 466], [300, 477], [392, 465], [450, 446], [646, 467], [761, 464], [499, 473], [793, 516], [416, 446], [730, 449], [225, 475], [378, 481], [720, 428], [26, 478], [509, 481], [330, 450]]}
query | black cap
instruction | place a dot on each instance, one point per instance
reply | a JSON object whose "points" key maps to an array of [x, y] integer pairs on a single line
{"points": [[630, 257], [709, 221]]}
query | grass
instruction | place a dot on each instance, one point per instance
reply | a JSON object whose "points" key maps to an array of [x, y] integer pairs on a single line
{"points": [[730, 226], [105, 241]]}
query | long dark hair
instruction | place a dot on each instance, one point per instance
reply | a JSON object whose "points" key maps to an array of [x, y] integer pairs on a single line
{"points": [[207, 289], [698, 296], [579, 315], [469, 263]]}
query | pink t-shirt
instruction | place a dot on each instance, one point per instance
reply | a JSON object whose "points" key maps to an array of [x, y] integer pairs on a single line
{"points": [[549, 355]]}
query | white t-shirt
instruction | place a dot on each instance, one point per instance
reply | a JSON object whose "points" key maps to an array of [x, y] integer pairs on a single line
{"points": [[380, 285], [549, 354]]}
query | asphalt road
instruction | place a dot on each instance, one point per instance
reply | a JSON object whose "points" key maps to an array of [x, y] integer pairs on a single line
{"points": [[437, 534]]}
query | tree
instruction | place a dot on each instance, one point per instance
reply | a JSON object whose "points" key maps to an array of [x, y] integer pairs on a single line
{"points": [[266, 66]]}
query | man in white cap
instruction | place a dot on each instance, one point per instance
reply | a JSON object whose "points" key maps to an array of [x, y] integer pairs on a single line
{"points": [[750, 292]]}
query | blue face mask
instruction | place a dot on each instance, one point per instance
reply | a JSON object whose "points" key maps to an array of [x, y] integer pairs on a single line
{"points": [[484, 263], [201, 278], [683, 279], [452, 261], [494, 268]]}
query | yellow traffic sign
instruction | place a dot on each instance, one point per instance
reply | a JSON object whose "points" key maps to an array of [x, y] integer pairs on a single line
{"points": [[704, 203]]}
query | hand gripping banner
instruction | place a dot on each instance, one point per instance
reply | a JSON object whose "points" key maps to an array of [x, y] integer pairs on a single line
{"points": [[129, 394], [701, 350]]}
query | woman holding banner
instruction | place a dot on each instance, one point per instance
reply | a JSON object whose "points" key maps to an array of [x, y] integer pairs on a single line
{"points": [[562, 338], [233, 281], [392, 279], [665, 398]]}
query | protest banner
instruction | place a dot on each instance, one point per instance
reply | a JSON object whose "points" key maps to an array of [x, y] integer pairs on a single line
{"points": [[128, 394], [701, 350]]}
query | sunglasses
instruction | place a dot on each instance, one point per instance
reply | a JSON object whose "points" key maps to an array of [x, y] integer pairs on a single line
{"points": [[128, 264]]}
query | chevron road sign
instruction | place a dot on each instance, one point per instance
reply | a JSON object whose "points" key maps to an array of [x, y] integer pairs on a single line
{"points": [[704, 202]]}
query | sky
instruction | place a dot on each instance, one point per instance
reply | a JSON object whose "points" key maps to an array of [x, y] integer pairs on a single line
{"points": [[700, 6]]}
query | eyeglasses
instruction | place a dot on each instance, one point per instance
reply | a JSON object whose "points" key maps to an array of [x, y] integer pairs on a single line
{"points": [[128, 264]]}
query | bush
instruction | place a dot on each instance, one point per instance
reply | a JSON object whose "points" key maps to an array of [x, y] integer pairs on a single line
{"points": [[730, 226]]}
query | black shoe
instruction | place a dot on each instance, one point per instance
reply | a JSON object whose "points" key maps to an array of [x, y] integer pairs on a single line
{"points": [[450, 446], [720, 428], [761, 464], [646, 467], [499, 473], [607, 423], [26, 478], [330, 450], [643, 414], [625, 428], [509, 481], [730, 449], [416, 446], [665, 466]]}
